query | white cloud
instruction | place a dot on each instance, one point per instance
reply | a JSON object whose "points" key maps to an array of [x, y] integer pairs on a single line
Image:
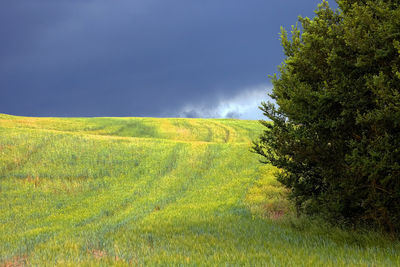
{"points": [[241, 106]]}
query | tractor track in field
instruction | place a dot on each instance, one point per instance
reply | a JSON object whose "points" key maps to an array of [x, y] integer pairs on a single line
{"points": [[14, 165]]}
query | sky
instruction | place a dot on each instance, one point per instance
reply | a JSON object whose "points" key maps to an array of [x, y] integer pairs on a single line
{"points": [[141, 58]]}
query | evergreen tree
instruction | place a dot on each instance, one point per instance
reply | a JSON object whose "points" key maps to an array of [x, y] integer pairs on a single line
{"points": [[335, 130]]}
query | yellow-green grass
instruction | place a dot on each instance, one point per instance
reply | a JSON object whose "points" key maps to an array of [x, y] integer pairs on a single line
{"points": [[149, 191]]}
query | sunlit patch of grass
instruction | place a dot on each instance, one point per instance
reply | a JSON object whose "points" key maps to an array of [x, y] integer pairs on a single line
{"points": [[149, 191], [267, 197]]}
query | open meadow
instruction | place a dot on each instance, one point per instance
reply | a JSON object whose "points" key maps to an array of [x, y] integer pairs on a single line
{"points": [[149, 191]]}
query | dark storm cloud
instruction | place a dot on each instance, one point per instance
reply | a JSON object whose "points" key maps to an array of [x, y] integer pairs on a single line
{"points": [[136, 58]]}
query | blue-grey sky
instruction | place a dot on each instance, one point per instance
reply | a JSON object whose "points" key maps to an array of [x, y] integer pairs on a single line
{"points": [[158, 58]]}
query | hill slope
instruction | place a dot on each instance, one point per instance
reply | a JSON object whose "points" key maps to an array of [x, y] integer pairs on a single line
{"points": [[153, 191]]}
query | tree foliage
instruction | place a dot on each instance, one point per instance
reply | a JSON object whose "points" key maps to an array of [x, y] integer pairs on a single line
{"points": [[335, 130]]}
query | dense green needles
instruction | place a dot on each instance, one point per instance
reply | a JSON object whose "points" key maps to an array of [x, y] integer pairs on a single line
{"points": [[147, 191], [335, 134]]}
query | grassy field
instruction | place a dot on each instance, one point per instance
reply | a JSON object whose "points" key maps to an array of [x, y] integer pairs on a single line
{"points": [[147, 191]]}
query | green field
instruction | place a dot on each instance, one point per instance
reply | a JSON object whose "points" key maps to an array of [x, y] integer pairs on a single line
{"points": [[147, 191]]}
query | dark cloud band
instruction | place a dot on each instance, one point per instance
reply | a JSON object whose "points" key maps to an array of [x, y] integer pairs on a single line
{"points": [[136, 58]]}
